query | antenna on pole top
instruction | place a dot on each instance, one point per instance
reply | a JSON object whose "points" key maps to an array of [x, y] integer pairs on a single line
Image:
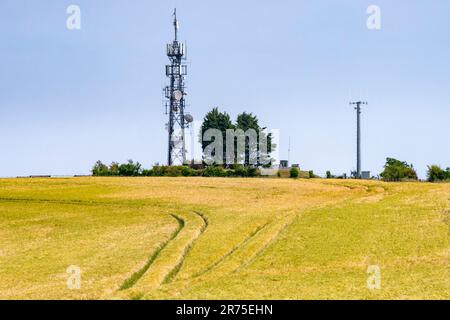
{"points": [[175, 23], [358, 136]]}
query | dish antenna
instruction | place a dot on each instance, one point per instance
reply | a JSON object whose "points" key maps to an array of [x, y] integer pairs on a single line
{"points": [[178, 95], [189, 118]]}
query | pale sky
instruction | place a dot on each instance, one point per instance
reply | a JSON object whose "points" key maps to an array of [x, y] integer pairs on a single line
{"points": [[71, 97]]}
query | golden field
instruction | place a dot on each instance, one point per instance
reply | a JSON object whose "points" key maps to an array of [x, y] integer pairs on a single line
{"points": [[214, 238]]}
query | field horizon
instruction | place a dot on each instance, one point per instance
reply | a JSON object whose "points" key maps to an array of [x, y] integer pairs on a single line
{"points": [[223, 238]]}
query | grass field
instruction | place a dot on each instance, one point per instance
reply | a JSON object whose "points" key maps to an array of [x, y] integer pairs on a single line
{"points": [[205, 238]]}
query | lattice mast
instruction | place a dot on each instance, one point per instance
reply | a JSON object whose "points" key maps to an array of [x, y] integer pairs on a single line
{"points": [[175, 99]]}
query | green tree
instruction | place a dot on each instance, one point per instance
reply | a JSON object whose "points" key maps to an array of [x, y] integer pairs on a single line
{"points": [[436, 173], [100, 169], [294, 173], [396, 170], [114, 169], [329, 175], [130, 169], [215, 120], [253, 150]]}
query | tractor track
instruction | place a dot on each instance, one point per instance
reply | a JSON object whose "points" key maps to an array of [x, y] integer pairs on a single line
{"points": [[165, 263], [173, 273], [131, 281], [240, 245]]}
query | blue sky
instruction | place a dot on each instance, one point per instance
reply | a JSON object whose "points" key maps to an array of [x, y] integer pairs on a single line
{"points": [[69, 98]]}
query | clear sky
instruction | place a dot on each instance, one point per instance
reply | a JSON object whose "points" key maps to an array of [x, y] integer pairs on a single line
{"points": [[71, 97]]}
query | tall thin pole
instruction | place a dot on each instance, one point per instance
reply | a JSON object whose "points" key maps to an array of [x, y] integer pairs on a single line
{"points": [[289, 151], [358, 136]]}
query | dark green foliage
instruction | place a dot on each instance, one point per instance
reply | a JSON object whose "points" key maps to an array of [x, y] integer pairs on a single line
{"points": [[216, 120], [214, 171], [294, 173], [240, 171], [114, 169], [252, 172], [245, 121], [396, 170], [188, 172], [311, 174], [130, 169], [436, 173], [100, 169], [330, 176]]}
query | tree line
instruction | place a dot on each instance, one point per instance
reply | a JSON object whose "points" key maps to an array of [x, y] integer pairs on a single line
{"points": [[134, 169]]}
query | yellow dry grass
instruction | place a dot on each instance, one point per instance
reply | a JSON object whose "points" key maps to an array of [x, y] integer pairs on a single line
{"points": [[208, 238]]}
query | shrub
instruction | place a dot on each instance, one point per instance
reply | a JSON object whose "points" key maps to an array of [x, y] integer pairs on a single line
{"points": [[114, 169], [213, 171], [130, 169], [395, 170], [159, 171], [188, 172], [436, 173], [294, 173], [253, 172], [147, 172], [311, 174], [240, 171], [100, 169], [174, 171]]}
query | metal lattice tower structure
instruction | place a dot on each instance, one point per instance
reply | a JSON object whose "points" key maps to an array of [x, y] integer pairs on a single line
{"points": [[358, 136], [175, 94]]}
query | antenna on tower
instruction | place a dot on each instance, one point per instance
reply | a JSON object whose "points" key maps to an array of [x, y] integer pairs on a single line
{"points": [[175, 23], [358, 136]]}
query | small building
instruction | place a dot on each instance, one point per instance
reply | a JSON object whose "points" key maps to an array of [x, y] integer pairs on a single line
{"points": [[284, 164], [365, 175]]}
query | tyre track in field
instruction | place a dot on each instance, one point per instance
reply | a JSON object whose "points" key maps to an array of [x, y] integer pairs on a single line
{"points": [[266, 245], [233, 250], [163, 267], [131, 281], [236, 259], [173, 273]]}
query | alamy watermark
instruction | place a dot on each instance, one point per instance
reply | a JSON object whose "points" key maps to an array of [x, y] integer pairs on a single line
{"points": [[74, 277], [374, 279], [374, 19], [73, 22], [236, 146]]}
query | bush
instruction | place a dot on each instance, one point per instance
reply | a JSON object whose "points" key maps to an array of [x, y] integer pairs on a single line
{"points": [[114, 169], [294, 173], [147, 173], [100, 169], [395, 170], [213, 171], [311, 174], [253, 172], [240, 171], [188, 172], [130, 169], [436, 173]]}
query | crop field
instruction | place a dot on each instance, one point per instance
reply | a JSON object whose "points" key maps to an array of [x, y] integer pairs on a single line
{"points": [[224, 238]]}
